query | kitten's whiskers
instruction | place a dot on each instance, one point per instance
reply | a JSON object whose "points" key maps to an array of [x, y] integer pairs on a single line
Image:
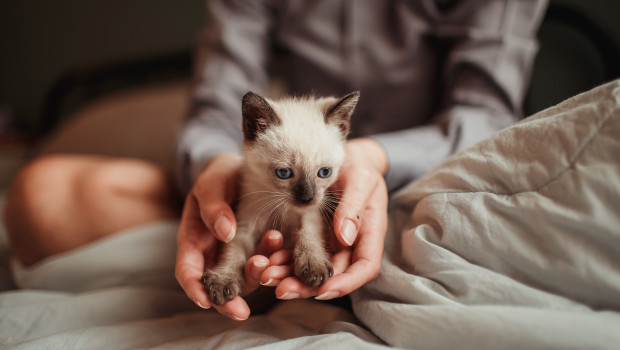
{"points": [[270, 203]]}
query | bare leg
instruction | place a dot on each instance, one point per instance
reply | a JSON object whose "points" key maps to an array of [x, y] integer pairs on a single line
{"points": [[58, 203]]}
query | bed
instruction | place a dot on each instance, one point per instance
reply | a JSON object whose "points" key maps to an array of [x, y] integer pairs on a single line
{"points": [[513, 243]]}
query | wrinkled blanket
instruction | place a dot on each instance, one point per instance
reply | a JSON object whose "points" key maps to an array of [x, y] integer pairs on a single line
{"points": [[511, 244]]}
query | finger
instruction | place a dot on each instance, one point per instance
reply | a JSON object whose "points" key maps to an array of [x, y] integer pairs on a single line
{"points": [[367, 254], [214, 191], [189, 277], [292, 288], [341, 260], [192, 241], [271, 241], [216, 214], [281, 257], [358, 274], [272, 276], [357, 189], [253, 270], [189, 269], [279, 268], [236, 309]]}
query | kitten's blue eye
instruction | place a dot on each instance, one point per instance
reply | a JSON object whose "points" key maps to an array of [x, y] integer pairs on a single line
{"points": [[324, 172], [284, 173]]}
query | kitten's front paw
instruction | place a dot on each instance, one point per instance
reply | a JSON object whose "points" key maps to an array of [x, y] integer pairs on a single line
{"points": [[222, 287], [313, 272]]}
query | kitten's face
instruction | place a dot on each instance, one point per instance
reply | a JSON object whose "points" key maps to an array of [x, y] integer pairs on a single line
{"points": [[294, 148]]}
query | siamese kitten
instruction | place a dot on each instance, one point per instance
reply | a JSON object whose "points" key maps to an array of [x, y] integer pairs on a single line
{"points": [[293, 150]]}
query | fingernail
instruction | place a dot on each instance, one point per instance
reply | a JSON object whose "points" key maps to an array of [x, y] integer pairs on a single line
{"points": [[328, 295], [288, 296], [274, 236], [224, 229], [259, 263], [268, 283], [201, 306], [231, 316], [348, 232], [238, 318]]}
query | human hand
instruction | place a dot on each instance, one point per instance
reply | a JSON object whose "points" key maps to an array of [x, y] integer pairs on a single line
{"points": [[208, 219], [360, 225]]}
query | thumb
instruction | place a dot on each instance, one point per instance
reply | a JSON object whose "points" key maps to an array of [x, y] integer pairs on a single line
{"points": [[214, 192], [348, 215], [223, 222], [216, 214]]}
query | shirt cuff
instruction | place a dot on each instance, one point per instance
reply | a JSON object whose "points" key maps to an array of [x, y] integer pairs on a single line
{"points": [[196, 148], [411, 153]]}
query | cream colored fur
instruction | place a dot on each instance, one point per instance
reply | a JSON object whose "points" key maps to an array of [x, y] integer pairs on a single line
{"points": [[302, 139]]}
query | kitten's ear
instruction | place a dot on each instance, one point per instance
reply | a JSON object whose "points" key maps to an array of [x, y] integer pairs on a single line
{"points": [[257, 115], [339, 113]]}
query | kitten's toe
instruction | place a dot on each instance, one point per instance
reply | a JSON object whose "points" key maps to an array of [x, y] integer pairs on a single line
{"points": [[314, 273], [221, 288]]}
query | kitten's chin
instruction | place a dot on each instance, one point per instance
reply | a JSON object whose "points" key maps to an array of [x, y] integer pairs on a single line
{"points": [[300, 207]]}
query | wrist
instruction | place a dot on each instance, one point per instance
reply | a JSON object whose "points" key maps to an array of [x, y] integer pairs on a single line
{"points": [[372, 151], [225, 160], [221, 166]]}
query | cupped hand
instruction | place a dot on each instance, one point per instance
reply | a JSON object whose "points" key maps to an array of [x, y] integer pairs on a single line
{"points": [[207, 220], [360, 225]]}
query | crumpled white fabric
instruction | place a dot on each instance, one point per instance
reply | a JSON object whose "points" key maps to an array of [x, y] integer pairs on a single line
{"points": [[513, 243]]}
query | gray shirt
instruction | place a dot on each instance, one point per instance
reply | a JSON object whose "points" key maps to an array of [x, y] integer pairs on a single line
{"points": [[435, 75]]}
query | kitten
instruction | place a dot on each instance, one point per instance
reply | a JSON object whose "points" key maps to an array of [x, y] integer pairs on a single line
{"points": [[293, 150]]}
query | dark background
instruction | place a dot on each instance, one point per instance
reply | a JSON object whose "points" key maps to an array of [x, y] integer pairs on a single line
{"points": [[60, 44], [42, 41]]}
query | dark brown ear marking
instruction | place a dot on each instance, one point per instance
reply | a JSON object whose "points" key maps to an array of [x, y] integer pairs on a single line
{"points": [[257, 115], [340, 112]]}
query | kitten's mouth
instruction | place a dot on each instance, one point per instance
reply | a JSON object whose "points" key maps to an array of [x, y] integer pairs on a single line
{"points": [[304, 202]]}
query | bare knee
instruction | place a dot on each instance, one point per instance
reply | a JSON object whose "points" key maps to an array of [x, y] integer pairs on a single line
{"points": [[37, 198], [39, 188], [126, 177], [60, 202], [60, 182], [129, 191]]}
